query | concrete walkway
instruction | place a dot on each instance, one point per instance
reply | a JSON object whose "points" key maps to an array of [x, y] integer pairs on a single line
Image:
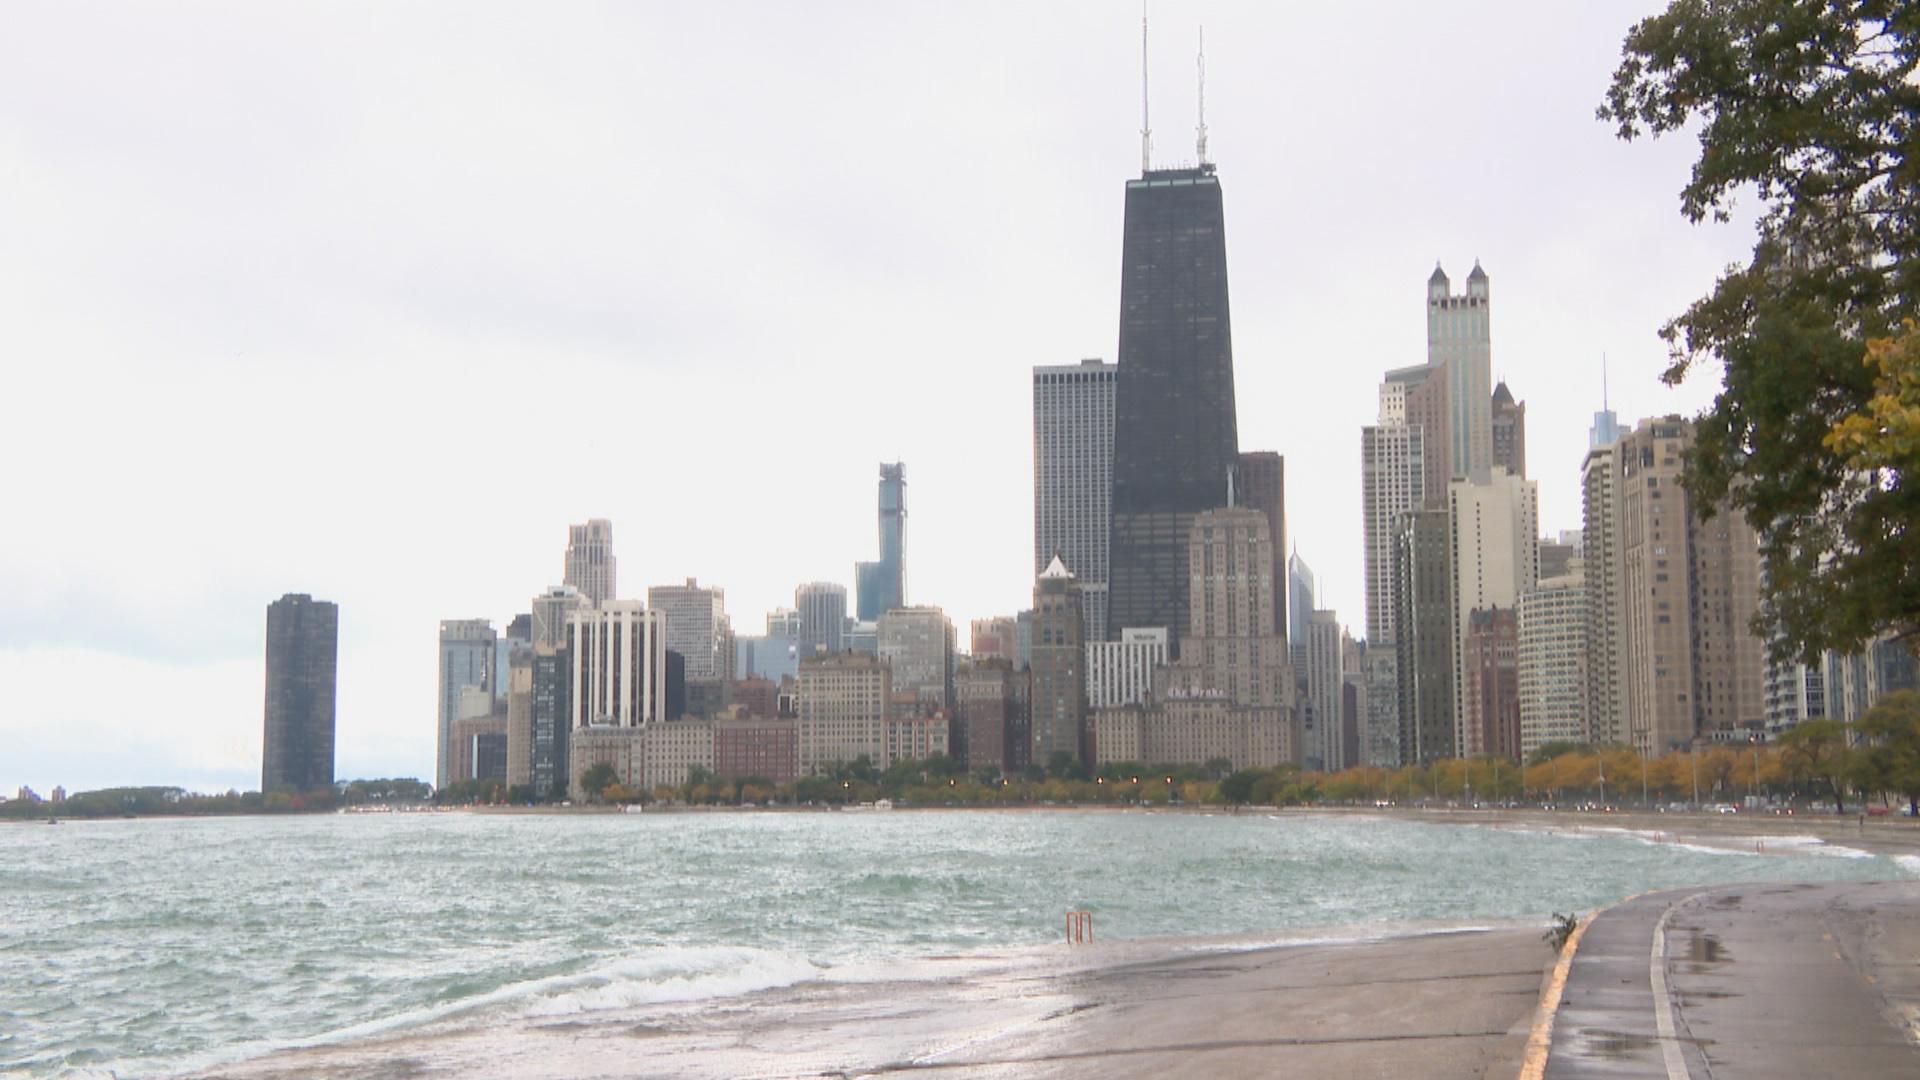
{"points": [[1746, 981]]}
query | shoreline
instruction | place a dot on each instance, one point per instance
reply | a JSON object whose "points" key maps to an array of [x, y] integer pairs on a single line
{"points": [[1434, 1000]]}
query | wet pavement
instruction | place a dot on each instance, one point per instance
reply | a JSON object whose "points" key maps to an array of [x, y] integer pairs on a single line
{"points": [[1758, 980]]}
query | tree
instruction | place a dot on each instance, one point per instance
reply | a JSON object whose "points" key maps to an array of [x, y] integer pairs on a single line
{"points": [[1814, 108], [597, 779], [1817, 750], [1892, 757]]}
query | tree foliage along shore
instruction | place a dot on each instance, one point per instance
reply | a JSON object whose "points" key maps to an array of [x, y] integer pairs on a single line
{"points": [[1813, 109], [1818, 760]]}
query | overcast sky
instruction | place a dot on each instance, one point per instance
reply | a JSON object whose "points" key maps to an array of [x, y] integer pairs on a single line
{"points": [[371, 301]]}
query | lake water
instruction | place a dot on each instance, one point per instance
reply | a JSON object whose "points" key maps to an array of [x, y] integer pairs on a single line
{"points": [[136, 948]]}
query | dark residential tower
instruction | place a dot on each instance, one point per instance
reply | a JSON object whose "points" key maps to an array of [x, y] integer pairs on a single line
{"points": [[1174, 438], [303, 640]]}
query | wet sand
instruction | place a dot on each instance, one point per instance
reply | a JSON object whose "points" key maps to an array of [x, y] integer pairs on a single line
{"points": [[1438, 1004]]}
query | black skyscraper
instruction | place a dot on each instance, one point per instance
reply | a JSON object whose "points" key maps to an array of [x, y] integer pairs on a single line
{"points": [[303, 636], [1174, 438]]}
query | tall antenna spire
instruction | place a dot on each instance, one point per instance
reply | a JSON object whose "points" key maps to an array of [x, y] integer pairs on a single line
{"points": [[1603, 381], [1146, 129], [1200, 141]]}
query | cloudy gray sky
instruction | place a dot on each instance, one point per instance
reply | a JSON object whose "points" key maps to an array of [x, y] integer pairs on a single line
{"points": [[371, 300]]}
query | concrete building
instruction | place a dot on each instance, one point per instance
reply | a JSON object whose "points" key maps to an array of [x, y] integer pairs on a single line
{"points": [[1260, 483], [1059, 666], [842, 705], [597, 744], [303, 647], [1554, 651], [1509, 432], [881, 586], [1495, 552], [620, 670], [996, 636], [756, 748], [1194, 728], [917, 645], [757, 698], [1121, 672], [466, 661], [822, 610], [480, 747], [1459, 335], [915, 738], [1381, 683], [518, 635], [1690, 589], [1490, 673], [670, 752], [519, 683], [1557, 555], [1320, 719], [696, 626], [1392, 482], [1606, 699], [550, 611], [1423, 595], [1073, 477], [590, 564], [991, 725]]}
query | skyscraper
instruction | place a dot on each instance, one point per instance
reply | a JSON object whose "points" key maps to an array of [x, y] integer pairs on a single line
{"points": [[303, 636], [590, 560], [466, 664], [620, 671], [1459, 335], [1175, 436], [696, 626], [1423, 596], [916, 644], [1495, 552], [822, 610], [1260, 483], [1509, 421], [1073, 477], [1606, 703], [881, 586], [1058, 665]]}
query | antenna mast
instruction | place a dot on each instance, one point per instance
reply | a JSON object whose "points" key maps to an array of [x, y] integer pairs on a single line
{"points": [[1200, 142], [1603, 382], [1146, 129]]}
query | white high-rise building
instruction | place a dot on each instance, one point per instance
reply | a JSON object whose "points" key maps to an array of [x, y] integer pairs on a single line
{"points": [[1073, 477], [619, 658], [1459, 335], [1494, 547], [590, 560], [1553, 648], [696, 626], [1392, 482], [1121, 672]]}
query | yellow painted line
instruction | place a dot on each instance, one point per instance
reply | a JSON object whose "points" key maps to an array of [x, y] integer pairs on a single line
{"points": [[1534, 1065]]}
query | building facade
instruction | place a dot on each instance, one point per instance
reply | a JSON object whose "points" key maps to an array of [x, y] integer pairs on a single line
{"points": [[1495, 554], [1059, 667], [1423, 595], [842, 704], [917, 645], [620, 669], [1073, 477], [466, 662], [821, 607], [1121, 672], [881, 586], [303, 648], [589, 563], [1554, 652], [1459, 335], [696, 627], [1175, 426]]}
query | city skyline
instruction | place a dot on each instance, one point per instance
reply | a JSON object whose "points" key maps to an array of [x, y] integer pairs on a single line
{"points": [[431, 339]]}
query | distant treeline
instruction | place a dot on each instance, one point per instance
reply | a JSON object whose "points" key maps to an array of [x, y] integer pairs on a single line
{"points": [[179, 802]]}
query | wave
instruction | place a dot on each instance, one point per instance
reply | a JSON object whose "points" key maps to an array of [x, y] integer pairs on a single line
{"points": [[1908, 863]]}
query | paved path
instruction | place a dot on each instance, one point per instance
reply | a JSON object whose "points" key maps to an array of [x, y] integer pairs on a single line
{"points": [[1746, 981]]}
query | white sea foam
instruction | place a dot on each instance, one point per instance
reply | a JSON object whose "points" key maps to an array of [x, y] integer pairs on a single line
{"points": [[1908, 863], [666, 974]]}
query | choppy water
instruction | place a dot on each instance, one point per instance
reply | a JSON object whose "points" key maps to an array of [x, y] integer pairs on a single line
{"points": [[135, 948]]}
